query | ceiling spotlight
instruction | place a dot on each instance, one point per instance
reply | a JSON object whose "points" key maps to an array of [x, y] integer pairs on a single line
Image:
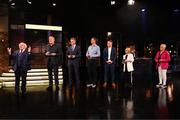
{"points": [[29, 2], [143, 10], [54, 4], [176, 10], [10, 0], [13, 4], [113, 2], [131, 2], [109, 33]]}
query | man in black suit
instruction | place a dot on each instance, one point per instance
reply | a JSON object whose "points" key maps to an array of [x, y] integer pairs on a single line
{"points": [[73, 54], [20, 66], [109, 56], [52, 52]]}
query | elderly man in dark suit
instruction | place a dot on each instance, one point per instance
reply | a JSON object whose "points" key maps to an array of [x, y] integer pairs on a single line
{"points": [[21, 65], [109, 56], [73, 54]]}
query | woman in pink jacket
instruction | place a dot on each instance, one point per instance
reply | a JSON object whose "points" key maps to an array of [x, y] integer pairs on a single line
{"points": [[162, 63]]}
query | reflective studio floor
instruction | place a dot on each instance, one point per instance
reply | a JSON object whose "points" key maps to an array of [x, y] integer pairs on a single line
{"points": [[141, 101]]}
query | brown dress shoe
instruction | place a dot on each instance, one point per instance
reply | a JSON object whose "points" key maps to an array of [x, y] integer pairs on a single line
{"points": [[105, 85], [113, 85]]}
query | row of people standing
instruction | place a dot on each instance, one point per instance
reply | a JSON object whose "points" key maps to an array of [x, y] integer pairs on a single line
{"points": [[21, 63], [93, 54]]}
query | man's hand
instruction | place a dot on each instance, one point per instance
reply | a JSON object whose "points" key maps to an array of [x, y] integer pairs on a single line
{"points": [[29, 49], [88, 57], [73, 56], [47, 53], [53, 54], [109, 62], [9, 51], [69, 56]]}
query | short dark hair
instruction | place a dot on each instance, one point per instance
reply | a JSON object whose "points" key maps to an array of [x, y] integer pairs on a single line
{"points": [[94, 38], [51, 36], [109, 40]]}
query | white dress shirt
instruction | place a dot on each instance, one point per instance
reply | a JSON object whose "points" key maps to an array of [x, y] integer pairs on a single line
{"points": [[109, 53]]}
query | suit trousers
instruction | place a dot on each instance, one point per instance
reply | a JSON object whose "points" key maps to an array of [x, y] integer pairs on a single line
{"points": [[20, 74], [53, 68], [92, 71], [73, 67], [109, 72], [162, 75]]}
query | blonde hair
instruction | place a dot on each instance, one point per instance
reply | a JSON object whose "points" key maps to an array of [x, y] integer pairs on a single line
{"points": [[164, 45], [128, 49]]}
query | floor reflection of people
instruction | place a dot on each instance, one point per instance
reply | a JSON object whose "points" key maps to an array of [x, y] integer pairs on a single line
{"points": [[71, 96], [128, 104], [162, 104]]}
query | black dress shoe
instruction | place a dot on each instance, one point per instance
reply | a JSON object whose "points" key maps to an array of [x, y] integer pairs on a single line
{"points": [[50, 88], [24, 94], [57, 88], [16, 94]]}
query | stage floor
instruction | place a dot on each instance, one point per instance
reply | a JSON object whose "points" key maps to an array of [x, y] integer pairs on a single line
{"points": [[141, 101]]}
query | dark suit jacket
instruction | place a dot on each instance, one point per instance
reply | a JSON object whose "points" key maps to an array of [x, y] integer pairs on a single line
{"points": [[112, 57], [76, 52], [25, 60]]}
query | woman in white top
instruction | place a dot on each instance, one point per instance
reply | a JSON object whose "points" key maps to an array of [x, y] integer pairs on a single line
{"points": [[128, 68]]}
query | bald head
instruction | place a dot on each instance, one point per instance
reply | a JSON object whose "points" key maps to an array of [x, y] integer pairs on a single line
{"points": [[162, 47]]}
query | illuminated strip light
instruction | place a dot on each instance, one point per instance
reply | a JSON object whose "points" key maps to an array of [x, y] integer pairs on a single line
{"points": [[29, 83], [43, 27], [29, 78], [28, 74], [37, 70]]}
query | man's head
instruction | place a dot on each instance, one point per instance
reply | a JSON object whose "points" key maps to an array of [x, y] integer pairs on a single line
{"points": [[22, 46], [162, 47], [51, 40], [128, 50], [93, 40], [109, 43], [73, 41]]}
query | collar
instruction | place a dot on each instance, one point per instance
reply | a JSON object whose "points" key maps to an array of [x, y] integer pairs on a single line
{"points": [[22, 50]]}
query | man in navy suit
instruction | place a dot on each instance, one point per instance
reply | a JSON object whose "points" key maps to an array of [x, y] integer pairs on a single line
{"points": [[73, 54], [20, 66], [109, 56]]}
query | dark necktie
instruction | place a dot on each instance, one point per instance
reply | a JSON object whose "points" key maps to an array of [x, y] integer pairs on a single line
{"points": [[19, 58]]}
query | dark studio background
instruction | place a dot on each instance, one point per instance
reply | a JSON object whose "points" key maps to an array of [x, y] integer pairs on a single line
{"points": [[88, 18]]}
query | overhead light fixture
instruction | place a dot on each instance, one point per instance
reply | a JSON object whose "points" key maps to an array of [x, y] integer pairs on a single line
{"points": [[43, 27], [54, 4], [113, 2], [13, 3], [131, 2], [143, 10], [29, 2], [176, 10], [109, 33]]}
